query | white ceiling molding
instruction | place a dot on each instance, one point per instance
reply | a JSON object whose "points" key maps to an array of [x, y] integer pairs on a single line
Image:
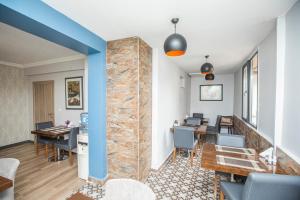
{"points": [[11, 64], [55, 60]]}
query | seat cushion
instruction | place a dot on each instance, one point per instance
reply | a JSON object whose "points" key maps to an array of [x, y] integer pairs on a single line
{"points": [[63, 144], [45, 140], [232, 191]]}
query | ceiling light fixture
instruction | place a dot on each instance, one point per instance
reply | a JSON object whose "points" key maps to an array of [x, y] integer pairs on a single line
{"points": [[209, 77], [175, 44], [207, 68]]}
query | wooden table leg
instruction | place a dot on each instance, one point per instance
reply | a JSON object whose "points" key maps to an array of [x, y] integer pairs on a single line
{"points": [[46, 150], [221, 195], [216, 182], [174, 154]]}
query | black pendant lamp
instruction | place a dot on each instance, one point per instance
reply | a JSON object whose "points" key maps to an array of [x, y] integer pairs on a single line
{"points": [[175, 44], [207, 68], [209, 77]]}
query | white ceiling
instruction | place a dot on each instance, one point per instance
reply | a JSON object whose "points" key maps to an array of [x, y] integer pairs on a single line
{"points": [[22, 49], [228, 30]]}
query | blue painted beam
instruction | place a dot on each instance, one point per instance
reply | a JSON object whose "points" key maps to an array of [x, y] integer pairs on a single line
{"points": [[56, 27], [39, 19]]}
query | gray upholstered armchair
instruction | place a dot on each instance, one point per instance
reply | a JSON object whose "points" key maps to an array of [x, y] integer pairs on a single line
{"points": [[8, 169], [184, 138], [231, 140], [261, 186], [198, 115], [68, 144], [191, 121], [215, 129], [44, 140]]}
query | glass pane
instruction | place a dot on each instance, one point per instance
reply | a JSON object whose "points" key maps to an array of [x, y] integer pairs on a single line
{"points": [[245, 93], [253, 90]]}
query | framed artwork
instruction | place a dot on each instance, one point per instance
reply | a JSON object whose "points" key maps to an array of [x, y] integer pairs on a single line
{"points": [[211, 92], [74, 93]]}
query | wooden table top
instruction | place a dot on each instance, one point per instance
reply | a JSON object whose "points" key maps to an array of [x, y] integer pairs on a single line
{"points": [[5, 183], [52, 132], [201, 130], [79, 196], [198, 130], [209, 161]]}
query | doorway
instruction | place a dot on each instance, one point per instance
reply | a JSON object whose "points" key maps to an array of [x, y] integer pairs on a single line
{"points": [[43, 101]]}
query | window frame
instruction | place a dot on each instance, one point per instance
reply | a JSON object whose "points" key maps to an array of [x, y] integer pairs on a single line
{"points": [[248, 66]]}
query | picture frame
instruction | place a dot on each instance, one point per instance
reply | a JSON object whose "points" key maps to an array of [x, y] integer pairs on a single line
{"points": [[213, 92], [74, 93]]}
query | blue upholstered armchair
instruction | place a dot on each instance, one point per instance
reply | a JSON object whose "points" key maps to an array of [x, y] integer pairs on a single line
{"points": [[184, 138], [261, 186], [69, 144], [44, 140]]}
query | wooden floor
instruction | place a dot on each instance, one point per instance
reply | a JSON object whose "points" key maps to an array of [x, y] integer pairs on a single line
{"points": [[39, 179]]}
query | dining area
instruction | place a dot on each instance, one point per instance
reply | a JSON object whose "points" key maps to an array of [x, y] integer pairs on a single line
{"points": [[241, 172]]}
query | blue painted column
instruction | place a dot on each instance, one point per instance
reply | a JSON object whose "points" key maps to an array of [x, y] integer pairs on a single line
{"points": [[97, 115]]}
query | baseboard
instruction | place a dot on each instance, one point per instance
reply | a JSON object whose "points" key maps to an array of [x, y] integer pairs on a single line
{"points": [[98, 181], [16, 144], [164, 163]]}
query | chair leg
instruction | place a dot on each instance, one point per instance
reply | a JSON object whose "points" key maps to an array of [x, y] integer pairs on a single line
{"points": [[46, 151], [221, 195], [174, 154], [192, 157], [70, 157], [37, 148], [53, 151]]}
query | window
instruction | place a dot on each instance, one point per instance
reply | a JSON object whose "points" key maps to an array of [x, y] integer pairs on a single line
{"points": [[250, 90]]}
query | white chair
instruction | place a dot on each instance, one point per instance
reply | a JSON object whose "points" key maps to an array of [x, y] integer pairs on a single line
{"points": [[8, 169]]}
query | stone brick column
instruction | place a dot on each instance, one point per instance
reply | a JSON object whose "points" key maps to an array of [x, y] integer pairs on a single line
{"points": [[129, 108]]}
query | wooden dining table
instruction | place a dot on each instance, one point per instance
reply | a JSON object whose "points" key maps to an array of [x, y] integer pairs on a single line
{"points": [[5, 183], [235, 161], [54, 132]]}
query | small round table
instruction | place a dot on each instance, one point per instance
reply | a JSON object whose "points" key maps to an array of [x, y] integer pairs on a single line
{"points": [[129, 189]]}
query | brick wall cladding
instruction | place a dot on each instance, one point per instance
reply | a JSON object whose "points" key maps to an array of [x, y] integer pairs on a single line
{"points": [[256, 141], [129, 108]]}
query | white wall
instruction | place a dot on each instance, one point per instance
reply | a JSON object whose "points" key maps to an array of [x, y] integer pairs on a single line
{"points": [[14, 106], [291, 111], [57, 72], [170, 102], [211, 109], [266, 87], [237, 105]]}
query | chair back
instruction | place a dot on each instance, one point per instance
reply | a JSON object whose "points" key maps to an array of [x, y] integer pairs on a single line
{"points": [[198, 115], [43, 125], [261, 186], [72, 142], [193, 121], [184, 137], [231, 140], [8, 169], [218, 121]]}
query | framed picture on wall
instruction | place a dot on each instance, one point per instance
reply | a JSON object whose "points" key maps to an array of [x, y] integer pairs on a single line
{"points": [[211, 92], [74, 93]]}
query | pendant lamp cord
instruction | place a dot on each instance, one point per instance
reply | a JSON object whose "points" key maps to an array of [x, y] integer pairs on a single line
{"points": [[175, 28]]}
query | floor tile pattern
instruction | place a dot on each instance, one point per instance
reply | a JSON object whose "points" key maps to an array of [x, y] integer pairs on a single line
{"points": [[175, 180]]}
